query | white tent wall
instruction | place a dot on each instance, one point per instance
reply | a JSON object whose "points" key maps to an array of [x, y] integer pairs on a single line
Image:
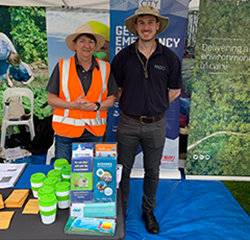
{"points": [[93, 4], [98, 4]]}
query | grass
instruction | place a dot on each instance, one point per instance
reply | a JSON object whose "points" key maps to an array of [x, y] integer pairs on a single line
{"points": [[241, 192]]}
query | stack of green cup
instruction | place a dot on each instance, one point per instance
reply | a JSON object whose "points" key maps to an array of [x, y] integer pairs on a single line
{"points": [[45, 190], [50, 181], [60, 163], [66, 170], [48, 208], [36, 182], [55, 173], [63, 194]]}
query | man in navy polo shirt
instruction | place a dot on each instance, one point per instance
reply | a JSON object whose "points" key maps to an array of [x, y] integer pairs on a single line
{"points": [[149, 78]]}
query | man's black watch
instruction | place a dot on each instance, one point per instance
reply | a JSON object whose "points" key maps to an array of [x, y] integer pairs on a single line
{"points": [[98, 106]]}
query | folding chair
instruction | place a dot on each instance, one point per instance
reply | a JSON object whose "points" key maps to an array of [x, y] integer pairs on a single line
{"points": [[10, 123]]}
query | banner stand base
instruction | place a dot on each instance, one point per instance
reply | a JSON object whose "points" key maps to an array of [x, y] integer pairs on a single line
{"points": [[217, 177], [164, 173]]}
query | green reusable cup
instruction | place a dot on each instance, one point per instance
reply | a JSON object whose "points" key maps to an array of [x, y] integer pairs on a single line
{"points": [[55, 173], [48, 208], [50, 181], [63, 194], [60, 163], [45, 190], [36, 182], [66, 170]]}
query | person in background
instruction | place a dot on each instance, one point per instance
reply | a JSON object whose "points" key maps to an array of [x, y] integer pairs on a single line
{"points": [[102, 29], [149, 78], [19, 70], [6, 47], [81, 89]]}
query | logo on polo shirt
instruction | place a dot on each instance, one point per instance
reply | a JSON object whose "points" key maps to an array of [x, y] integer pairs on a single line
{"points": [[159, 67]]}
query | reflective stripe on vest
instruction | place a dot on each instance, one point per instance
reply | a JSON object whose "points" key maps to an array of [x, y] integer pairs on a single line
{"points": [[79, 122], [103, 71], [65, 75]]}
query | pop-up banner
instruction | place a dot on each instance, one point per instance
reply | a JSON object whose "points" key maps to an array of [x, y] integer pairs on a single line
{"points": [[173, 37], [219, 133]]}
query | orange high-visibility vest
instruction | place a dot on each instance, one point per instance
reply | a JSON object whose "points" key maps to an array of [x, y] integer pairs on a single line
{"points": [[72, 122]]}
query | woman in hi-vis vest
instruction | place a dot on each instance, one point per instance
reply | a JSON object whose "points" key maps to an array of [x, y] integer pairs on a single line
{"points": [[81, 89]]}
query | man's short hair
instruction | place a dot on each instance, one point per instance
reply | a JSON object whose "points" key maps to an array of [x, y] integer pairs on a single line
{"points": [[157, 20]]}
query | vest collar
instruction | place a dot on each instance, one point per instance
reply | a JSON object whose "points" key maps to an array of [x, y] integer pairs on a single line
{"points": [[93, 65]]}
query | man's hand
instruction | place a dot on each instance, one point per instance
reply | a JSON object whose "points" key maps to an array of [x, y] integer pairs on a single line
{"points": [[118, 94]]}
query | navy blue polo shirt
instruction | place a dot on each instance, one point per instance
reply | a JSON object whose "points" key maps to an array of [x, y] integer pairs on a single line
{"points": [[146, 96]]}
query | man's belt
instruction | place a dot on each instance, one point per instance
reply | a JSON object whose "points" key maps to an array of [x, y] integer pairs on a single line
{"points": [[145, 119]]}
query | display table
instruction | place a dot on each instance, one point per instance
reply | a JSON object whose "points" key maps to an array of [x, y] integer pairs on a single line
{"points": [[30, 227]]}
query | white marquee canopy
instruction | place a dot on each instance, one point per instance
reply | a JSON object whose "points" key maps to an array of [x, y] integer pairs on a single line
{"points": [[98, 4]]}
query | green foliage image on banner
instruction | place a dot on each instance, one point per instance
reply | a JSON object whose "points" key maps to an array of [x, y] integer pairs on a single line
{"points": [[29, 33], [219, 128], [25, 27]]}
